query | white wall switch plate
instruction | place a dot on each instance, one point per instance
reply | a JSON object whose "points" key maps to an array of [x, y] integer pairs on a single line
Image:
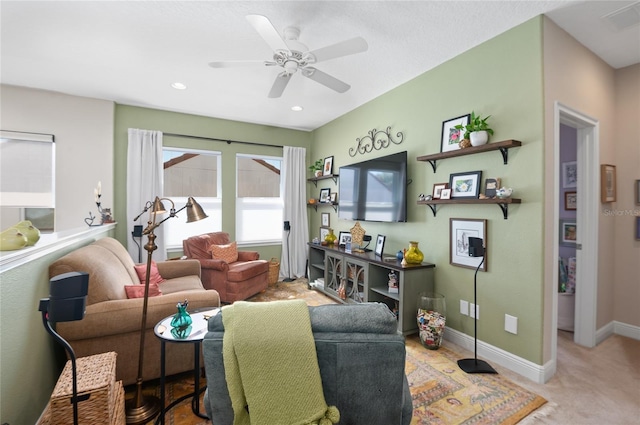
{"points": [[464, 307], [474, 311], [511, 324]]}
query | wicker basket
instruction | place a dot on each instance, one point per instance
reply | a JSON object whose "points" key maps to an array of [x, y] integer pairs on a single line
{"points": [[104, 403], [274, 271]]}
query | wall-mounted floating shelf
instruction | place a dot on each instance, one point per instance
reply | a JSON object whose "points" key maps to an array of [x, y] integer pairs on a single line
{"points": [[324, 204], [314, 180], [502, 203], [503, 147]]}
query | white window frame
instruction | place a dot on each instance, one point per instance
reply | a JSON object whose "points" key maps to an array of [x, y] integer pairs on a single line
{"points": [[274, 205], [177, 229]]}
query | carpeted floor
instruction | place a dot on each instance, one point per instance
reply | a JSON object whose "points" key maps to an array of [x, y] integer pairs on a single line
{"points": [[442, 394]]}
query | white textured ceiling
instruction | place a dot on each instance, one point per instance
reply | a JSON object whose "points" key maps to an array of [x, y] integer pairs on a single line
{"points": [[131, 51]]}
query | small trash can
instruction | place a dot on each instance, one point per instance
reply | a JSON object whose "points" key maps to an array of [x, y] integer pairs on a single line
{"points": [[274, 271]]}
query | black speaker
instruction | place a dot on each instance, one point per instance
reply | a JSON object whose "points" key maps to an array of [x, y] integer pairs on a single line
{"points": [[475, 247], [137, 231], [287, 226], [68, 296]]}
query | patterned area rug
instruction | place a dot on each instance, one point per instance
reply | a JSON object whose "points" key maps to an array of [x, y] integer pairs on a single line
{"points": [[442, 393]]}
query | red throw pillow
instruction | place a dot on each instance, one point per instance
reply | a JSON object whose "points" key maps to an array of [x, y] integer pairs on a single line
{"points": [[137, 291], [227, 253], [141, 271]]}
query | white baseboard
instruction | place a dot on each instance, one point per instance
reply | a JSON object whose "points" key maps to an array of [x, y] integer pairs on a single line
{"points": [[499, 356], [537, 373]]}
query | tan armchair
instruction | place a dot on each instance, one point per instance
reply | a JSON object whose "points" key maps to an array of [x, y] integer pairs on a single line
{"points": [[233, 281]]}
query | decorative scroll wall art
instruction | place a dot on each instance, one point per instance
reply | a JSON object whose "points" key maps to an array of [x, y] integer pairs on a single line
{"points": [[376, 139]]}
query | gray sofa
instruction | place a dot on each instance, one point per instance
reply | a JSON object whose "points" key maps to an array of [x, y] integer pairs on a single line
{"points": [[361, 358]]}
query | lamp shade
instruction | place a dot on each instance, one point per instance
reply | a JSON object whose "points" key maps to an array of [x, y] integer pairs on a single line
{"points": [[158, 206], [194, 211]]}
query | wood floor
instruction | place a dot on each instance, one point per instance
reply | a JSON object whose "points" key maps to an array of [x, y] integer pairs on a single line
{"points": [[599, 385]]}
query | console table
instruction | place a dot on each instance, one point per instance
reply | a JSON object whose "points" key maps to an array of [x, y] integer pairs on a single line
{"points": [[365, 277]]}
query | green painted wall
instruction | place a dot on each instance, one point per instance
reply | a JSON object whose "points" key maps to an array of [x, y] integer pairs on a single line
{"points": [[502, 78], [171, 122]]}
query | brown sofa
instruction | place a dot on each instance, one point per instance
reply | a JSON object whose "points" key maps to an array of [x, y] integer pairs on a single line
{"points": [[112, 321], [233, 281]]}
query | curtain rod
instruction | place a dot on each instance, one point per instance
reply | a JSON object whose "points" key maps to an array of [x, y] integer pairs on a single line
{"points": [[228, 141]]}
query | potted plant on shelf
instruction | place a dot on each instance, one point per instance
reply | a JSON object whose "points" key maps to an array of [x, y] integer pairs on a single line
{"points": [[477, 131], [316, 168]]}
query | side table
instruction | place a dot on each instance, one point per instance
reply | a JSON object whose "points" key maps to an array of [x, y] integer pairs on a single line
{"points": [[194, 335]]}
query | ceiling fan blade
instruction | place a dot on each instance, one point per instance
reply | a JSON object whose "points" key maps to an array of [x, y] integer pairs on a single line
{"points": [[236, 64], [325, 79], [279, 85], [268, 32], [344, 48]]}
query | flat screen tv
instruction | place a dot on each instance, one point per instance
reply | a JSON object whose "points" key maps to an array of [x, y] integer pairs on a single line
{"points": [[374, 190]]}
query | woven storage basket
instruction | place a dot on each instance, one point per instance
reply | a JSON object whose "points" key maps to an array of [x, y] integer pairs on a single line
{"points": [[97, 380], [274, 271]]}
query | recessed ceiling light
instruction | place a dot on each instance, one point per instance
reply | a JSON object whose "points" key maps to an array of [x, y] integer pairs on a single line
{"points": [[297, 108], [179, 86]]}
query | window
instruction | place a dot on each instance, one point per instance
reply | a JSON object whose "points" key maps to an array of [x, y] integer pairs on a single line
{"points": [[195, 173], [259, 201], [27, 172]]}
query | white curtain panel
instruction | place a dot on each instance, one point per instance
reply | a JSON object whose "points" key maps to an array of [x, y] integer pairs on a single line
{"points": [[294, 243], [144, 183]]}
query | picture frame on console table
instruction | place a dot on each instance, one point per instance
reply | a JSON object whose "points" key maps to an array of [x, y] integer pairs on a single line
{"points": [[465, 185], [343, 238], [459, 231], [380, 245], [324, 231], [451, 136]]}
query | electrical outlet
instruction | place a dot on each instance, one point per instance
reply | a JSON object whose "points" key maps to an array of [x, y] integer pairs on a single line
{"points": [[511, 324], [474, 311], [464, 307]]}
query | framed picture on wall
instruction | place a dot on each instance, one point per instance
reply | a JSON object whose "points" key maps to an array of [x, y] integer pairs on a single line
{"points": [[459, 231], [638, 228], [568, 232], [637, 192], [451, 136], [570, 200], [325, 219], [607, 183], [465, 185], [569, 174], [327, 170]]}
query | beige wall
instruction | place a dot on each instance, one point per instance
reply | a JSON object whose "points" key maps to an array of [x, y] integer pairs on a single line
{"points": [[83, 130], [578, 79], [626, 268]]}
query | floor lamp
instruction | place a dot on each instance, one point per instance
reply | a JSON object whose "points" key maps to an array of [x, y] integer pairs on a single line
{"points": [[66, 303], [287, 228], [476, 249], [142, 408]]}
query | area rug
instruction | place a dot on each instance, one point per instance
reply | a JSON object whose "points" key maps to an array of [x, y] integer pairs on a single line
{"points": [[442, 393]]}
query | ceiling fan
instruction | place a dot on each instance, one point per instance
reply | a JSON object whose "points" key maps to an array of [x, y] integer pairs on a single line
{"points": [[293, 56]]}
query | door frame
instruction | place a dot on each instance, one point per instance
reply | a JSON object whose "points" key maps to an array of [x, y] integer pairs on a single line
{"points": [[588, 194]]}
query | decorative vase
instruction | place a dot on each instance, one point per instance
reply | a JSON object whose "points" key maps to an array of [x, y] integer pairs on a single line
{"points": [[478, 138], [399, 255], [413, 254], [330, 239], [318, 173], [182, 319], [431, 319]]}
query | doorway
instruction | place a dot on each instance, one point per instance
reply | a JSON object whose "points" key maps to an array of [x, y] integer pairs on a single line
{"points": [[586, 221]]}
